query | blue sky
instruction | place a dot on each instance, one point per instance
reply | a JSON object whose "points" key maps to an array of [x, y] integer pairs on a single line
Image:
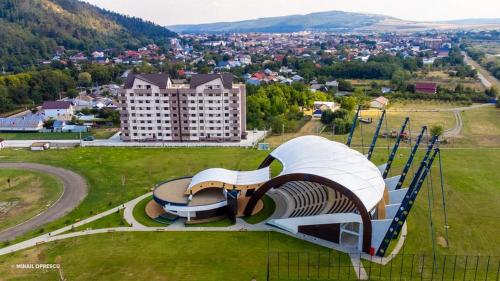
{"points": [[169, 12]]}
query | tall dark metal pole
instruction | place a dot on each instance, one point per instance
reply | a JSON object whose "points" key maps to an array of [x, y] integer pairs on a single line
{"points": [[443, 201], [353, 126], [395, 148], [375, 136]]}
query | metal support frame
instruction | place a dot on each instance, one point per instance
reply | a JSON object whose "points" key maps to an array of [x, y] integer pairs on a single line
{"points": [[353, 127], [375, 136], [408, 200], [410, 158], [395, 148]]}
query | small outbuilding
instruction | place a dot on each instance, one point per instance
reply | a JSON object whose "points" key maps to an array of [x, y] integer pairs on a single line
{"points": [[39, 146], [379, 102]]}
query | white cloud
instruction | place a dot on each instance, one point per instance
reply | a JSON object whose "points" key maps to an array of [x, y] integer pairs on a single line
{"points": [[169, 12]]}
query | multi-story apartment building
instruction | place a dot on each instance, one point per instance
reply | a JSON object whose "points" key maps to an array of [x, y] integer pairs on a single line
{"points": [[210, 108]]}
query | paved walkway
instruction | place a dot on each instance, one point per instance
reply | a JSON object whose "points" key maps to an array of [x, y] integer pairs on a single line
{"points": [[252, 139], [74, 191], [484, 75]]}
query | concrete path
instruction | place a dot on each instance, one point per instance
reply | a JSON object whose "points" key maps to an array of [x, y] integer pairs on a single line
{"points": [[358, 267], [484, 75], [74, 191]]}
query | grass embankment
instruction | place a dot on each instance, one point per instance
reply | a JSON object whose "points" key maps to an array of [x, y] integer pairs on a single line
{"points": [[28, 194], [140, 215], [266, 212]]}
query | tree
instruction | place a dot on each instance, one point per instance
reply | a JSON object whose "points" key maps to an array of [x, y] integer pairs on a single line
{"points": [[345, 85], [348, 103], [327, 117], [399, 78], [437, 130], [84, 79]]}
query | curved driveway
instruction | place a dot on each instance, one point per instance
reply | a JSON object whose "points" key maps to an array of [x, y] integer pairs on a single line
{"points": [[74, 191]]}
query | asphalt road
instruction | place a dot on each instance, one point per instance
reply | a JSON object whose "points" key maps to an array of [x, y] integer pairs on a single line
{"points": [[74, 191]]}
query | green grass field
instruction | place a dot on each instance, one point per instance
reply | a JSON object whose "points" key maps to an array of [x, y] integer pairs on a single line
{"points": [[113, 220], [117, 175], [28, 194], [266, 212]]}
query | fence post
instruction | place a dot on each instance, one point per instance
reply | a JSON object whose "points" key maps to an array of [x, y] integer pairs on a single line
{"points": [[401, 269], [338, 270], [288, 266], [329, 257], [390, 270], [475, 271], [308, 264], [319, 262], [498, 269], [298, 265], [444, 266], [465, 267], [422, 269], [359, 267], [278, 265], [454, 268], [487, 268], [411, 270], [370, 270], [380, 269], [349, 269]]}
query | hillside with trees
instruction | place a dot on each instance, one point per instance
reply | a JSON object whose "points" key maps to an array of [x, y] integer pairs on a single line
{"points": [[31, 30]]}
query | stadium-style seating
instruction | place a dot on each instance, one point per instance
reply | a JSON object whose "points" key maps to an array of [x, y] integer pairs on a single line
{"points": [[304, 198], [310, 199]]}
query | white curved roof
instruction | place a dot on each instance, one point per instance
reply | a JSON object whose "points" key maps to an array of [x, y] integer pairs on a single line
{"points": [[231, 177], [335, 161]]}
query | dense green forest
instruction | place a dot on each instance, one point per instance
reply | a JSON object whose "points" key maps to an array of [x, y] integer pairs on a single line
{"points": [[31, 30]]}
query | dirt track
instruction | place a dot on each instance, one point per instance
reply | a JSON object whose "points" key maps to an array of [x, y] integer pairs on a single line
{"points": [[74, 191]]}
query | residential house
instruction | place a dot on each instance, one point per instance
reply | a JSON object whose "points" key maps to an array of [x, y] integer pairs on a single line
{"points": [[320, 106], [59, 110], [426, 88], [379, 102], [30, 123]]}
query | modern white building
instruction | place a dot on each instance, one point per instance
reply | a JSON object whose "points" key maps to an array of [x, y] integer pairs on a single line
{"points": [[209, 108]]}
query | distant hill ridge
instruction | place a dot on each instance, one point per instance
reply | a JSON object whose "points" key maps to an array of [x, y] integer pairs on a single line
{"points": [[332, 21]]}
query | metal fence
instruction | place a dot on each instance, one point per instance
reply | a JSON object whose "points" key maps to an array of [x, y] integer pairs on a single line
{"points": [[330, 265]]}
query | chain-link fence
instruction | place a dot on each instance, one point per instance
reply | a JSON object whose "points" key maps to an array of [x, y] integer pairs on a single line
{"points": [[330, 265]]}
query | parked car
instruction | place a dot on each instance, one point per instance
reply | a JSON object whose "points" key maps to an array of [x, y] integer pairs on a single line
{"points": [[88, 138]]}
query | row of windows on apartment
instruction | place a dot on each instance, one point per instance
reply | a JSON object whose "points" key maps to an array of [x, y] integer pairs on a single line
{"points": [[184, 108], [176, 135], [183, 115], [175, 95], [184, 128], [184, 101], [184, 121]]}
